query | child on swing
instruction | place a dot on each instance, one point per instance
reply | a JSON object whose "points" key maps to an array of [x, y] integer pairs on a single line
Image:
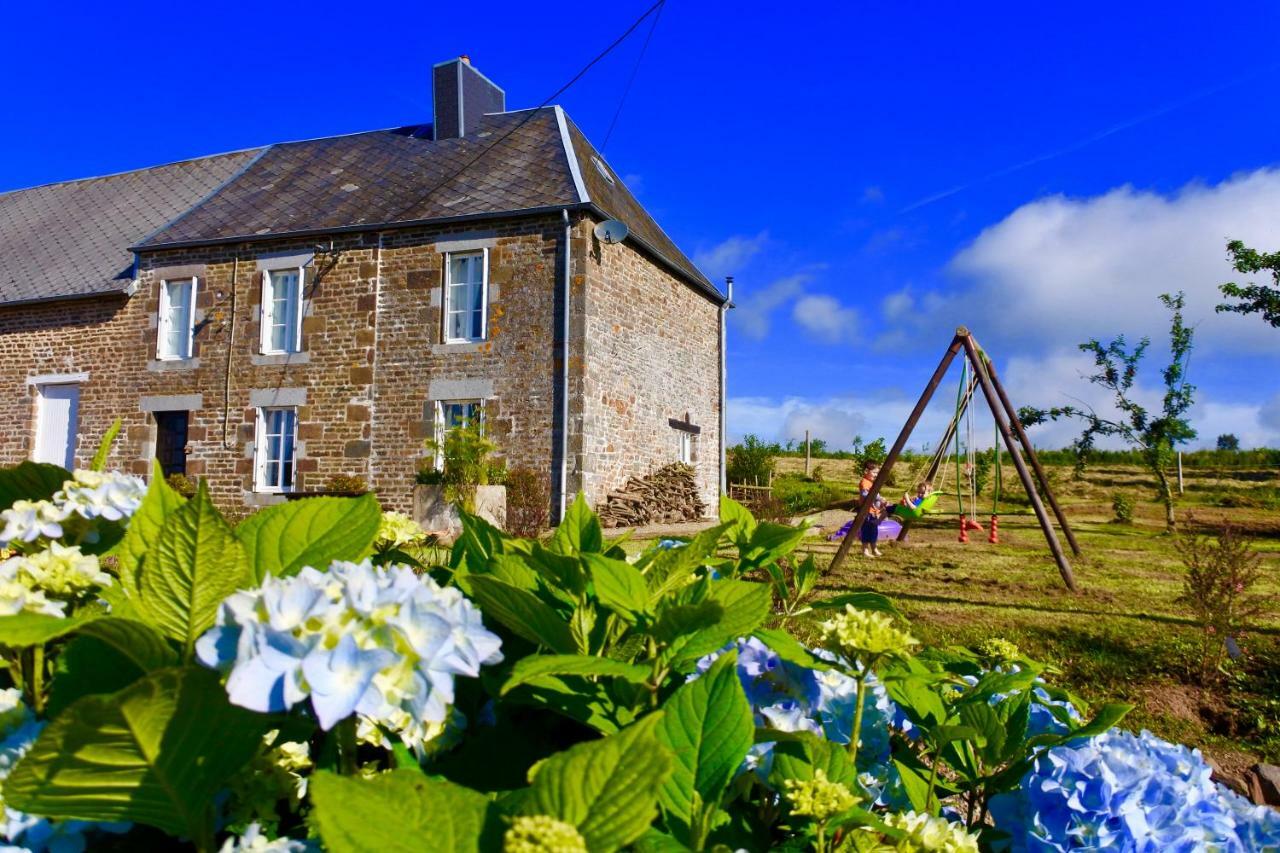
{"points": [[869, 535]]}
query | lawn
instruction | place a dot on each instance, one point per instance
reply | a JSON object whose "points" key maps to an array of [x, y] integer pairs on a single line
{"points": [[1123, 636]]}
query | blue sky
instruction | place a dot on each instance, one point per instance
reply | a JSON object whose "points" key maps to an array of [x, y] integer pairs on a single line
{"points": [[873, 174]]}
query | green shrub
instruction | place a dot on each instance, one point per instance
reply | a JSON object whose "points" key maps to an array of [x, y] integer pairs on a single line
{"points": [[182, 484], [528, 502], [1122, 506], [346, 484], [750, 462]]}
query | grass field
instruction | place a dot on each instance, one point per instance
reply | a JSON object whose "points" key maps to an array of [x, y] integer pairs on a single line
{"points": [[1122, 637]]}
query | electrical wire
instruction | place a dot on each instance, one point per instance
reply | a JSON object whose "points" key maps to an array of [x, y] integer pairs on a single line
{"points": [[634, 71], [533, 113]]}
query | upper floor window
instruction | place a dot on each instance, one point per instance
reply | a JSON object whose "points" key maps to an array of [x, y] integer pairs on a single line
{"points": [[466, 294], [282, 311], [274, 449], [177, 315]]}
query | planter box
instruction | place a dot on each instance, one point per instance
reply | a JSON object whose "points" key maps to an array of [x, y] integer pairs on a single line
{"points": [[437, 515]]}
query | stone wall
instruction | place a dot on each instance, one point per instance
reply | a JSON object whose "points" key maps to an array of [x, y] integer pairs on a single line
{"points": [[652, 356], [372, 362]]}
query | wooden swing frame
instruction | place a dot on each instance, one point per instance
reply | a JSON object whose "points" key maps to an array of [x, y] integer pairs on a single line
{"points": [[1015, 440]]}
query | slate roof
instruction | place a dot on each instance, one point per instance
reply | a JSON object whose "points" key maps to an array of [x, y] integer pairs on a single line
{"points": [[72, 239]]}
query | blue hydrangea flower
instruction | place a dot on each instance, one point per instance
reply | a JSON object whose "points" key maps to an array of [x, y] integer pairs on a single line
{"points": [[1120, 791], [382, 643]]}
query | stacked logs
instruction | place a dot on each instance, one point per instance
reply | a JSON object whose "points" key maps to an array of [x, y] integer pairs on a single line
{"points": [[666, 496]]}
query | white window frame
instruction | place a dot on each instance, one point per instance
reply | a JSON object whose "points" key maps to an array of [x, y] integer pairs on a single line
{"points": [[267, 313], [163, 321], [260, 459], [685, 447], [445, 300], [441, 428]]}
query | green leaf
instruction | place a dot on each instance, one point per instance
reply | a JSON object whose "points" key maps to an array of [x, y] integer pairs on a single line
{"points": [[138, 642], [802, 754], [790, 649], [669, 569], [512, 569], [523, 613], [400, 811], [1106, 718], [99, 462], [35, 629], [535, 666], [156, 752], [579, 532], [148, 520], [767, 544], [191, 569], [88, 666], [873, 601], [562, 572], [607, 788], [916, 784], [618, 586], [707, 725], [477, 544], [746, 606], [589, 702], [743, 523], [30, 481], [280, 540], [677, 620]]}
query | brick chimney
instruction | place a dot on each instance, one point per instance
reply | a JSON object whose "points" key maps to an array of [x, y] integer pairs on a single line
{"points": [[461, 95]]}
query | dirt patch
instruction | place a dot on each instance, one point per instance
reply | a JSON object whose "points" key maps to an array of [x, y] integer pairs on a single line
{"points": [[1181, 701]]}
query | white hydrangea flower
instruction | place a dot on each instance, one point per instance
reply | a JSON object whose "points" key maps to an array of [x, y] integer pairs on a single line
{"points": [[100, 494], [62, 570], [17, 597], [383, 643], [27, 521], [254, 841]]}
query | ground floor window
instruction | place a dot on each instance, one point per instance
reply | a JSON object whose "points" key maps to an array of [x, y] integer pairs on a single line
{"points": [[274, 449], [171, 441], [686, 439], [452, 414], [686, 447]]}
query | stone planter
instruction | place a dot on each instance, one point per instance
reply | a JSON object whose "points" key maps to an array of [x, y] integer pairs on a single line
{"points": [[433, 511]]}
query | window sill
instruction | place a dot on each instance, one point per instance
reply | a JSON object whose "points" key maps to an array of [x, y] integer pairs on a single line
{"points": [[460, 347], [279, 359], [164, 365]]}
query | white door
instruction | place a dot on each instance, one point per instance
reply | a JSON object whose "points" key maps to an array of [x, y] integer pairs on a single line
{"points": [[56, 415]]}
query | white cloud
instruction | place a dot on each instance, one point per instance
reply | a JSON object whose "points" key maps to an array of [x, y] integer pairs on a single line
{"points": [[873, 195], [731, 255], [1061, 270], [824, 317], [753, 311], [1269, 414], [835, 419]]}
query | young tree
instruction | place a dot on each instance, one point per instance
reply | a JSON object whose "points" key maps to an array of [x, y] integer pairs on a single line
{"points": [[1154, 436], [1228, 441], [1253, 298]]}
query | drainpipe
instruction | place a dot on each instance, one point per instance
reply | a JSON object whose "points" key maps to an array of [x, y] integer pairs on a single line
{"points": [[724, 376], [564, 369]]}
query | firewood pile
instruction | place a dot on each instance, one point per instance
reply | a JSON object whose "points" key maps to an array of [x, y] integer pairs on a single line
{"points": [[666, 496]]}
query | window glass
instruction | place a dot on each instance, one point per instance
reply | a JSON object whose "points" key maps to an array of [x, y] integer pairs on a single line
{"points": [[465, 297], [275, 449], [171, 441], [175, 319], [280, 311]]}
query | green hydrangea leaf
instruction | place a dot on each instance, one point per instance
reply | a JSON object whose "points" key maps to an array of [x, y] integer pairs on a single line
{"points": [[30, 481], [34, 629], [618, 585], [280, 540], [523, 613], [195, 564], [708, 727], [403, 810], [607, 788], [579, 532], [99, 462], [745, 606], [144, 530], [535, 666], [156, 753], [802, 754]]}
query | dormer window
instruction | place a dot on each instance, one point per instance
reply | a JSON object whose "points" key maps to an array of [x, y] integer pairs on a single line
{"points": [[466, 296], [282, 310], [176, 326]]}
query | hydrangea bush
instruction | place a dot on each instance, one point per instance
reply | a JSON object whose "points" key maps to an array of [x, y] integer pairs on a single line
{"points": [[301, 682]]}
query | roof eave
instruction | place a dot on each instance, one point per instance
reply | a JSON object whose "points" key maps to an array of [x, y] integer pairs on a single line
{"points": [[702, 284], [68, 297]]}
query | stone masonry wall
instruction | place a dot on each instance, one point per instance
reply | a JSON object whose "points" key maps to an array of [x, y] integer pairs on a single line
{"points": [[652, 354]]}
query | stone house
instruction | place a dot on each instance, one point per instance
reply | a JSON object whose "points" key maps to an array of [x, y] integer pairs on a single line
{"points": [[267, 319]]}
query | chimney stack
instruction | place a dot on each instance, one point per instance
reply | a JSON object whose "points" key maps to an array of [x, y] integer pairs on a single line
{"points": [[461, 96]]}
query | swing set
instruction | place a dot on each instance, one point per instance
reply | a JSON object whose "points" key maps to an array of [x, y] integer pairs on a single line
{"points": [[977, 372]]}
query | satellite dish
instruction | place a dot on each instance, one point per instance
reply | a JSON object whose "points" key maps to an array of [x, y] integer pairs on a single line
{"points": [[612, 231]]}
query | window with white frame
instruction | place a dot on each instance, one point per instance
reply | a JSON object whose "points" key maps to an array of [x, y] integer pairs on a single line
{"points": [[282, 311], [275, 449], [686, 447], [452, 414], [176, 325], [466, 296]]}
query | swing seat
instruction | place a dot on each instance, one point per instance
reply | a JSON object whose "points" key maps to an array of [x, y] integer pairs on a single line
{"points": [[907, 512]]}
